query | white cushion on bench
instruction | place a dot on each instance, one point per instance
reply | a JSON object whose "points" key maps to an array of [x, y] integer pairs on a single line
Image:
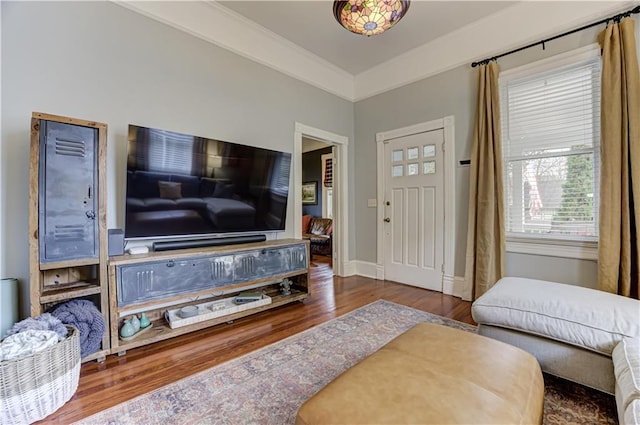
{"points": [[626, 365], [632, 414], [588, 318]]}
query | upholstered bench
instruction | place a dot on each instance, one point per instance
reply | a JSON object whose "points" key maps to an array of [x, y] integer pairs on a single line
{"points": [[433, 374], [626, 365], [571, 330]]}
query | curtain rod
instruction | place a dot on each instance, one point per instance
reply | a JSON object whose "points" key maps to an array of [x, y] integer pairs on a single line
{"points": [[615, 18]]}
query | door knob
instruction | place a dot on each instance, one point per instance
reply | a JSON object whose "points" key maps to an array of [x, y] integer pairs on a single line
{"points": [[387, 220]]}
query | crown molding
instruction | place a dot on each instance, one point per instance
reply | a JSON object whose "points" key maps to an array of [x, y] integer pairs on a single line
{"points": [[488, 36], [227, 29]]}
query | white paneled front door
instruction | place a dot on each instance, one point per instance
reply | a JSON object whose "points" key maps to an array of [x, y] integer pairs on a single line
{"points": [[414, 209]]}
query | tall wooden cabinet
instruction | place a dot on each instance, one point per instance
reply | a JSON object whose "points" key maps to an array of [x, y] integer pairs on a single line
{"points": [[67, 215]]}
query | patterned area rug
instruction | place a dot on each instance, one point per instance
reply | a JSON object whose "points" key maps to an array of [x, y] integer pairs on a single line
{"points": [[268, 385]]}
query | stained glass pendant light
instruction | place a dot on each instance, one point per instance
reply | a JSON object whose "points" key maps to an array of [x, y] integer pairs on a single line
{"points": [[369, 17]]}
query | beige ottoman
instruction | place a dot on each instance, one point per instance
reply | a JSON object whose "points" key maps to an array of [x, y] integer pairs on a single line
{"points": [[434, 374]]}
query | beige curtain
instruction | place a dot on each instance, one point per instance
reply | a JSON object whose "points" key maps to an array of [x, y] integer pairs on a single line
{"points": [[618, 245], [485, 233]]}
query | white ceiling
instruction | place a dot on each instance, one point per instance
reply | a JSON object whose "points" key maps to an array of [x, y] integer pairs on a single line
{"points": [[309, 145], [311, 25], [300, 38]]}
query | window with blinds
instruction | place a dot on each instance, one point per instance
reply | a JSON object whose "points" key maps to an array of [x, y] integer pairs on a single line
{"points": [[550, 142], [169, 151], [327, 185], [280, 176], [328, 172]]}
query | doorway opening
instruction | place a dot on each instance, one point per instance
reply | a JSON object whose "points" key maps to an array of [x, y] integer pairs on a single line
{"points": [[317, 199], [307, 193]]}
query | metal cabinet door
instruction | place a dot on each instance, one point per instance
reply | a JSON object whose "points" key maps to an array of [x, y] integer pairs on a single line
{"points": [[155, 280], [267, 262], [68, 205]]}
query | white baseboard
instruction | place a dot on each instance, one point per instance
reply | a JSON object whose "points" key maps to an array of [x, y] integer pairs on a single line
{"points": [[458, 286], [366, 269], [349, 268], [451, 285], [448, 285]]}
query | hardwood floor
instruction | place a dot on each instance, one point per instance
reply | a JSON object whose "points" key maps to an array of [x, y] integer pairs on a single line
{"points": [[144, 369]]}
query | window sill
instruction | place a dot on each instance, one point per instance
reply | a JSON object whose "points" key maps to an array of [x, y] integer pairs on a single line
{"points": [[582, 250]]}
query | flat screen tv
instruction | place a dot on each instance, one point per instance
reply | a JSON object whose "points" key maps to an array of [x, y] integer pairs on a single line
{"points": [[182, 186]]}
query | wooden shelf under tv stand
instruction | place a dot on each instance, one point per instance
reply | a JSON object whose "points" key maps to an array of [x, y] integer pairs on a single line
{"points": [[291, 254]]}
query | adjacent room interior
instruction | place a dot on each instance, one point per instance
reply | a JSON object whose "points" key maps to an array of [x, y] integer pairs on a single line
{"points": [[317, 198]]}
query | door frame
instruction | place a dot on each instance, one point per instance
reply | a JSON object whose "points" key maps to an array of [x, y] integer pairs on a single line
{"points": [[340, 146], [447, 125]]}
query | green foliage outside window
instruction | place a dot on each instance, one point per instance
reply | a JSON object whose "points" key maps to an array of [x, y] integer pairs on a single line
{"points": [[577, 191]]}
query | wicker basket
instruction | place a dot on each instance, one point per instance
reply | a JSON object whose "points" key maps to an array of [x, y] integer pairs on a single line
{"points": [[33, 387]]}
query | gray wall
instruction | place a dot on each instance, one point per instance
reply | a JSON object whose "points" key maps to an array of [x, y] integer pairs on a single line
{"points": [[449, 93], [100, 61]]}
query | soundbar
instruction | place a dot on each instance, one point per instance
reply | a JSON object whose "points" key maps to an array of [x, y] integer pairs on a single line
{"points": [[199, 243]]}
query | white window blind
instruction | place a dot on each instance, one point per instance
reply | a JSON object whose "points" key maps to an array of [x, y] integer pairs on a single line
{"points": [[280, 176], [328, 172], [327, 186], [550, 143], [170, 152]]}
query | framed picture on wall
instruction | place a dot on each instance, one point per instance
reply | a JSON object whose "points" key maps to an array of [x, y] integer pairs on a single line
{"points": [[310, 193]]}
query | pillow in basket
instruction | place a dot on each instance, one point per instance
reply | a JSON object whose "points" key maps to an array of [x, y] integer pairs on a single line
{"points": [[26, 343]]}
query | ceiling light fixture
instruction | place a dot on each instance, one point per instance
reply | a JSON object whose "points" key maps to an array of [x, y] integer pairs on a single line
{"points": [[369, 17]]}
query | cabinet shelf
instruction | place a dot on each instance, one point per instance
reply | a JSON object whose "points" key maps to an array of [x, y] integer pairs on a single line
{"points": [[161, 329], [69, 291], [99, 355], [69, 263]]}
